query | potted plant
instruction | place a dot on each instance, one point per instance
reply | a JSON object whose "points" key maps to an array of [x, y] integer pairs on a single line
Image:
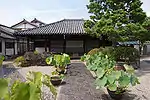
{"points": [[56, 79], [116, 81], [60, 61]]}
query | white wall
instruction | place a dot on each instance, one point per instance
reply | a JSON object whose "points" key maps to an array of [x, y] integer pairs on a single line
{"points": [[24, 26], [10, 52], [40, 49]]}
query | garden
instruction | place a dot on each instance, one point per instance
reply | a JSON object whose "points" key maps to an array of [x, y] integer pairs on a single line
{"points": [[112, 69]]}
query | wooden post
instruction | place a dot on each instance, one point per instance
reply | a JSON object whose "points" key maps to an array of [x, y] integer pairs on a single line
{"points": [[28, 44], [46, 45], [64, 45], [84, 45], [49, 44]]}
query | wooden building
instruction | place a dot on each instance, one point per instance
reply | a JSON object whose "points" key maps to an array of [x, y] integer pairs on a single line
{"points": [[66, 36], [8, 43]]}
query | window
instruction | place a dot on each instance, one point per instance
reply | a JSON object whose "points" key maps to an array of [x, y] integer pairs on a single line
{"points": [[9, 45]]}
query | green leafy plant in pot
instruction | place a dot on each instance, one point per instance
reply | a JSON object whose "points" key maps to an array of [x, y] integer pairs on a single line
{"points": [[56, 78], [60, 61], [116, 81]]}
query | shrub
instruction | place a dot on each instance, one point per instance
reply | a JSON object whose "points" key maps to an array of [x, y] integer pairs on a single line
{"points": [[106, 51], [94, 51], [127, 54], [20, 62], [36, 52]]}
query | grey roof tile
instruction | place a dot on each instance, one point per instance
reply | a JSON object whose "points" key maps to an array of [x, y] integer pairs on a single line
{"points": [[66, 26]]}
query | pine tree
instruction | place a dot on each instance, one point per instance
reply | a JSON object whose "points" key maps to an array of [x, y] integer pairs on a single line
{"points": [[120, 20]]}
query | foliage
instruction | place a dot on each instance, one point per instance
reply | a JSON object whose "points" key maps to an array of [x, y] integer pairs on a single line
{"points": [[93, 51], [31, 59], [119, 20], [55, 73], [36, 52], [58, 60], [29, 90], [127, 54], [20, 62], [107, 76], [1, 59]]}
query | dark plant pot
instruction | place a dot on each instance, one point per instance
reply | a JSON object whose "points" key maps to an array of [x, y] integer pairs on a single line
{"points": [[119, 67], [61, 70], [115, 96], [55, 80]]}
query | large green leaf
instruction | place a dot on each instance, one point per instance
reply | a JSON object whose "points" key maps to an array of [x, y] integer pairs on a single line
{"points": [[49, 60], [100, 72], [124, 81], [129, 69], [35, 77], [111, 79], [116, 74], [3, 87], [134, 80], [112, 87], [101, 82], [47, 82], [20, 91], [35, 92]]}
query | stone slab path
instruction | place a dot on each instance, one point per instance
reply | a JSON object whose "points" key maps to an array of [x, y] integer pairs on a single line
{"points": [[79, 85]]}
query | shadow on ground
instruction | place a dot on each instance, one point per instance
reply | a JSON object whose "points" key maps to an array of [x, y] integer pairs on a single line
{"points": [[7, 69]]}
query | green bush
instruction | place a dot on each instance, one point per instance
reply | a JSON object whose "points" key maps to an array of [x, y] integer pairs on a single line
{"points": [[94, 51], [21, 62], [107, 51], [127, 54]]}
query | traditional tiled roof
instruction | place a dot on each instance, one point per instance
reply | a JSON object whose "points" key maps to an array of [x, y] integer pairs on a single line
{"points": [[35, 21], [7, 32], [66, 26], [23, 22]]}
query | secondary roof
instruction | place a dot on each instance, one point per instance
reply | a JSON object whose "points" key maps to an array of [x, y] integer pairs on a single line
{"points": [[66, 26]]}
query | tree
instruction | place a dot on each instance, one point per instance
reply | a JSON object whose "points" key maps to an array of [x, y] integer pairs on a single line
{"points": [[120, 20]]}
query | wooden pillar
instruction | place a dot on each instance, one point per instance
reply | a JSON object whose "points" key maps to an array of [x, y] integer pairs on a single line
{"points": [[84, 45], [49, 44], [34, 45], [45, 44], [28, 44], [14, 47], [64, 44]]}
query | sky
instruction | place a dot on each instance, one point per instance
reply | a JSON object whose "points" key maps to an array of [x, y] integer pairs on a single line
{"points": [[14, 11]]}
